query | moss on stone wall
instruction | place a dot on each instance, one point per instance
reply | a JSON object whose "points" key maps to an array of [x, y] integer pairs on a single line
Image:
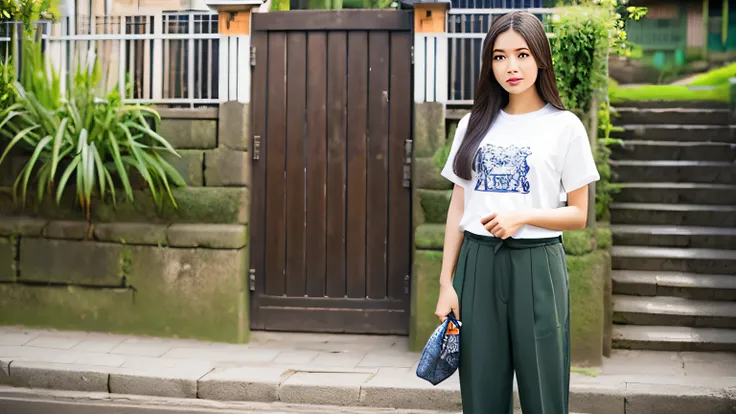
{"points": [[434, 204], [588, 274], [424, 294]]}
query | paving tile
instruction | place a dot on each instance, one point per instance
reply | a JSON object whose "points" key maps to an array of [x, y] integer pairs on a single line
{"points": [[28, 353], [140, 348], [98, 359], [16, 337], [295, 357], [215, 354], [347, 359], [148, 362], [53, 342], [98, 345], [389, 359]]}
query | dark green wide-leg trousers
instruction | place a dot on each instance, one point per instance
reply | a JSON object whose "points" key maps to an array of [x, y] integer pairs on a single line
{"points": [[514, 309]]}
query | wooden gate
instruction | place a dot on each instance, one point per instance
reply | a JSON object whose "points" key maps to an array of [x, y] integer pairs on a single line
{"points": [[331, 196]]}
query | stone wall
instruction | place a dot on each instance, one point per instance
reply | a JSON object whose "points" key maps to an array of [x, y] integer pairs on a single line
{"points": [[138, 268], [588, 259]]}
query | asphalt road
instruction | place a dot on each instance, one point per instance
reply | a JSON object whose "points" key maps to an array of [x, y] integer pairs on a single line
{"points": [[34, 401]]}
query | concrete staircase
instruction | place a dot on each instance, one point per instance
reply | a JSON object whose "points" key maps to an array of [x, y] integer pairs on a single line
{"points": [[674, 228]]}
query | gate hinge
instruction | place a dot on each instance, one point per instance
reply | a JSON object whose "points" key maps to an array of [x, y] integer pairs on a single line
{"points": [[406, 284], [252, 55], [256, 147], [412, 54], [252, 280]]}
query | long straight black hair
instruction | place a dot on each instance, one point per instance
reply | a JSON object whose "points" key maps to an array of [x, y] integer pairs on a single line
{"points": [[490, 97]]}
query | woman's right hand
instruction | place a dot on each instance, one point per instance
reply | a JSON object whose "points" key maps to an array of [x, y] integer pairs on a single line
{"points": [[447, 302]]}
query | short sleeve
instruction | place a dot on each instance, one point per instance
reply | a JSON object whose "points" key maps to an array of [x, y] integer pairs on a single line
{"points": [[579, 168], [448, 171]]}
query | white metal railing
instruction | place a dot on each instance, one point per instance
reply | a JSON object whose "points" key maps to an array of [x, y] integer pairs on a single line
{"points": [[176, 59], [466, 29]]}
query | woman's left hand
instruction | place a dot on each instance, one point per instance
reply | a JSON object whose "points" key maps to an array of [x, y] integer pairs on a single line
{"points": [[503, 224]]}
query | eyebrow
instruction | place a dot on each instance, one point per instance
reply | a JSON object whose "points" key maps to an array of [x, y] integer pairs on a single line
{"points": [[521, 48]]}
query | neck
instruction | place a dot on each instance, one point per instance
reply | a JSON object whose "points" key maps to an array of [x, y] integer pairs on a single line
{"points": [[525, 102]]}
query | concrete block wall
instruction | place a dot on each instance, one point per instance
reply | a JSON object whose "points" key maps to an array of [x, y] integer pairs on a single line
{"points": [[137, 268]]}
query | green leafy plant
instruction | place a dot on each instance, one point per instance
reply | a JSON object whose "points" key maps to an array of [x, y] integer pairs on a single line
{"points": [[27, 11], [95, 143]]}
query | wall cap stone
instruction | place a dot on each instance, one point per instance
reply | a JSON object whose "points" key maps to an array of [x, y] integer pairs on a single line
{"points": [[22, 226]]}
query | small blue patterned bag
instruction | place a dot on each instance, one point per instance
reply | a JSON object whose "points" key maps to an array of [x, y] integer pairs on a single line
{"points": [[441, 355]]}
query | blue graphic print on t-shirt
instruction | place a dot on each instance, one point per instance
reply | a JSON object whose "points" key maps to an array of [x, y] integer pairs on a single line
{"points": [[502, 169]]}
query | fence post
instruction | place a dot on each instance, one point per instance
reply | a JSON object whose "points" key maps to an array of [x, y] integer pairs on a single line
{"points": [[158, 57], [234, 18], [430, 96]]}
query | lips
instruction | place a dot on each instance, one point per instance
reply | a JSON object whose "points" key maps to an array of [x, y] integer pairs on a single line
{"points": [[514, 81]]}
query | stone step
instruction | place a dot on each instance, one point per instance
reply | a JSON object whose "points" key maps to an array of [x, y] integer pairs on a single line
{"points": [[675, 284], [672, 104], [673, 214], [672, 193], [674, 151], [674, 338], [672, 311], [679, 116], [674, 236], [675, 132], [693, 260], [674, 171]]}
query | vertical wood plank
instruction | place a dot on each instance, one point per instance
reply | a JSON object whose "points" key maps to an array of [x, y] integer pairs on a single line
{"points": [[399, 198], [378, 103], [356, 162], [296, 81], [336, 125], [276, 131], [257, 223], [316, 162]]}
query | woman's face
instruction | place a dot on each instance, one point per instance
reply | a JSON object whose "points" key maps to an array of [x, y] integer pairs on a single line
{"points": [[513, 64]]}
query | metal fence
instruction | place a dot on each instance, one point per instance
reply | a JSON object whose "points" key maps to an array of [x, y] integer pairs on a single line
{"points": [[176, 59], [466, 29]]}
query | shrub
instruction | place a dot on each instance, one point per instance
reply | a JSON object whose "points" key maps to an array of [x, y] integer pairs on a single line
{"points": [[91, 141]]}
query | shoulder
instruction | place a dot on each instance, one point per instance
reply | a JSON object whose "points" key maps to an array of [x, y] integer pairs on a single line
{"points": [[463, 123], [570, 123]]}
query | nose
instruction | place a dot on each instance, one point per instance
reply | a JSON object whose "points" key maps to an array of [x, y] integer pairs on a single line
{"points": [[511, 66]]}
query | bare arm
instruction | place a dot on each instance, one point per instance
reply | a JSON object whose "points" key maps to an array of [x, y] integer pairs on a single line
{"points": [[453, 236], [574, 216]]}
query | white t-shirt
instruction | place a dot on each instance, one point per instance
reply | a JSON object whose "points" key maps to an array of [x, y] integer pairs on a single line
{"points": [[525, 162]]}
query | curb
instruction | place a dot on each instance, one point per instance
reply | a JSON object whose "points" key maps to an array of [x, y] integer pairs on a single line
{"points": [[356, 389]]}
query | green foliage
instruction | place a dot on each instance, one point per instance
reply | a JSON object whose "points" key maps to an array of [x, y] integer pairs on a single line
{"points": [[26, 11], [579, 49], [578, 242], [92, 142], [584, 35], [668, 93], [716, 77], [7, 77]]}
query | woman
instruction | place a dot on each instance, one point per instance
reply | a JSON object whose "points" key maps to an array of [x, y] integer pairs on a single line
{"points": [[511, 160]]}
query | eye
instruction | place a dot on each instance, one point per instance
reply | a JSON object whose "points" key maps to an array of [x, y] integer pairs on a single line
{"points": [[498, 57], [523, 55]]}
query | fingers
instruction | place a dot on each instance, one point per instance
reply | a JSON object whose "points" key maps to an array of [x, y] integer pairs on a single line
{"points": [[487, 218]]}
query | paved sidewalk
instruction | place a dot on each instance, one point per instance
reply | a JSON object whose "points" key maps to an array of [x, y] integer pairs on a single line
{"points": [[348, 370]]}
